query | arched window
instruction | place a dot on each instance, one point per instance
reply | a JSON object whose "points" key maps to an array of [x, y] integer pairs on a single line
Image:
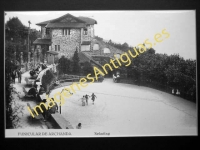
{"points": [[96, 47], [106, 50]]}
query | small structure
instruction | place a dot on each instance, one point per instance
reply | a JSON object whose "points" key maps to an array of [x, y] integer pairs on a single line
{"points": [[52, 57]]}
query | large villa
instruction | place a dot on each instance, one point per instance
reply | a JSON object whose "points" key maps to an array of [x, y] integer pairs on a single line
{"points": [[64, 35]]}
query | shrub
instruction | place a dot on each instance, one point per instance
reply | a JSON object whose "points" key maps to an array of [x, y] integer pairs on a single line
{"points": [[47, 79]]}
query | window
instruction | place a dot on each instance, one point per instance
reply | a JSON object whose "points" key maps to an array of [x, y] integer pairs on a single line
{"points": [[66, 32], [47, 31], [55, 47], [106, 50], [58, 47], [85, 31], [85, 47], [96, 47]]}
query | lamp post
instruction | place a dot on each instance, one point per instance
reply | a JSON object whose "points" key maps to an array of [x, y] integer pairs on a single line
{"points": [[61, 98], [28, 35]]}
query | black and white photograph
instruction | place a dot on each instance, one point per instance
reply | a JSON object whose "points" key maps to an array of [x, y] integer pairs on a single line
{"points": [[98, 73]]}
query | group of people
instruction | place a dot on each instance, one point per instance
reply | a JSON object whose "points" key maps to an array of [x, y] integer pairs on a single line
{"points": [[86, 97], [35, 93], [36, 71], [176, 92], [18, 73]]}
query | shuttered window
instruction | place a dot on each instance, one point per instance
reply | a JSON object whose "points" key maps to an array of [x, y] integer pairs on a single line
{"points": [[58, 47]]}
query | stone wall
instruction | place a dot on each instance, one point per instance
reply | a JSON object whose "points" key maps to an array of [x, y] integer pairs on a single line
{"points": [[43, 33], [103, 45], [68, 43], [90, 33]]}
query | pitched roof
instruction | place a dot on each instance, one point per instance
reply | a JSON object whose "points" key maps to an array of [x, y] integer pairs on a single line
{"points": [[65, 16], [53, 52], [43, 23], [84, 57], [84, 20], [65, 25], [88, 20], [42, 41]]}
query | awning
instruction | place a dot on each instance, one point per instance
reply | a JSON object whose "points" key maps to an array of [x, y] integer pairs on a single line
{"points": [[42, 41], [53, 52], [86, 43]]}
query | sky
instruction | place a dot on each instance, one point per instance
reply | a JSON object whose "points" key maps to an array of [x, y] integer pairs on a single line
{"points": [[132, 27]]}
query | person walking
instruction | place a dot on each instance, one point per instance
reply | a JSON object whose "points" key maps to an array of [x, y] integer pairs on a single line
{"points": [[93, 97], [13, 76], [19, 73], [86, 98], [83, 100], [173, 91]]}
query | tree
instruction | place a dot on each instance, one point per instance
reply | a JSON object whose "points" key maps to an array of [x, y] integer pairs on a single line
{"points": [[17, 33], [75, 61], [13, 109], [87, 68], [47, 79], [64, 65]]}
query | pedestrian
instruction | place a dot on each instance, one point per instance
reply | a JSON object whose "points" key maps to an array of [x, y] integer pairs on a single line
{"points": [[83, 100], [173, 91], [78, 126], [19, 74], [13, 76], [93, 97], [44, 109], [177, 92], [86, 98]]}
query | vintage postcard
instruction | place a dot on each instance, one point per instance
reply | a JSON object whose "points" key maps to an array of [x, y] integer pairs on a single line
{"points": [[100, 73]]}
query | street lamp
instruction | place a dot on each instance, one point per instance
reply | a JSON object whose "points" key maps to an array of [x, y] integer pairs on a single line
{"points": [[61, 97], [28, 35]]}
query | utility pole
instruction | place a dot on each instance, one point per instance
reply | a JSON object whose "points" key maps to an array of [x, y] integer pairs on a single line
{"points": [[28, 38]]}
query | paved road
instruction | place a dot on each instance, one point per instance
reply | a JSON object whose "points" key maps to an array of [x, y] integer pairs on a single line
{"points": [[129, 110]]}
